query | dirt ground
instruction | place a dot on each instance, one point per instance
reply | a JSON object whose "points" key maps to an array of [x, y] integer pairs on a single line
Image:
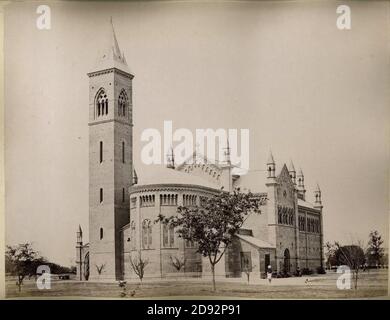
{"points": [[371, 285]]}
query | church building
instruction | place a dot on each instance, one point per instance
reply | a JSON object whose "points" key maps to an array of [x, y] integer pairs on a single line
{"points": [[124, 206]]}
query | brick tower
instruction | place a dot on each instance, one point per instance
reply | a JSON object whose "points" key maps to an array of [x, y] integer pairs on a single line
{"points": [[110, 159]]}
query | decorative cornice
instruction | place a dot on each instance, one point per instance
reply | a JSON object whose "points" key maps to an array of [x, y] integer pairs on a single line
{"points": [[105, 71], [110, 120], [172, 187], [310, 210]]}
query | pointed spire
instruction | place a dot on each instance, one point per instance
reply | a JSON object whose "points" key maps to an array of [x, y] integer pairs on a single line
{"points": [[111, 56], [171, 159], [270, 158], [292, 172], [79, 235], [115, 45], [291, 167], [301, 184], [317, 195], [271, 167]]}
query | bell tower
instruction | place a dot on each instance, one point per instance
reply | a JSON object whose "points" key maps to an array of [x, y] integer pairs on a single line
{"points": [[110, 159]]}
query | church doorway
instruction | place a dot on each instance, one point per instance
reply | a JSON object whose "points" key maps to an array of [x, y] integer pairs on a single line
{"points": [[286, 261]]}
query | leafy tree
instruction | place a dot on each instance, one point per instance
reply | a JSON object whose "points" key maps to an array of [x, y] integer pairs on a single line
{"points": [[22, 261], [213, 224], [139, 264], [330, 255], [375, 251], [352, 256]]}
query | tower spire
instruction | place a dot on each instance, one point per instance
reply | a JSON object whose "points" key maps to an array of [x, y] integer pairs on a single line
{"points": [[171, 159], [271, 167], [301, 184], [111, 55], [317, 195], [292, 172], [115, 46]]}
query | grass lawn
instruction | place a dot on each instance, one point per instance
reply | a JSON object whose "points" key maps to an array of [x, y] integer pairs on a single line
{"points": [[373, 284]]}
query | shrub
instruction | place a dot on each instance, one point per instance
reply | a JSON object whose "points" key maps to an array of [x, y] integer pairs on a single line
{"points": [[321, 270], [306, 271]]}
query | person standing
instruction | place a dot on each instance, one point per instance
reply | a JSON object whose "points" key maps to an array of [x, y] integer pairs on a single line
{"points": [[269, 273]]}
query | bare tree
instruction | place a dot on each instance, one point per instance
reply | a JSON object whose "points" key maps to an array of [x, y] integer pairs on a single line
{"points": [[178, 262], [138, 264], [248, 271]]}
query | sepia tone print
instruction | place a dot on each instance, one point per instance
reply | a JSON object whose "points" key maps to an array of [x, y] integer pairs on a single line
{"points": [[101, 220]]}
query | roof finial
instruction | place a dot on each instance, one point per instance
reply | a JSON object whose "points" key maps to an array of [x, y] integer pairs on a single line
{"points": [[171, 159], [270, 158]]}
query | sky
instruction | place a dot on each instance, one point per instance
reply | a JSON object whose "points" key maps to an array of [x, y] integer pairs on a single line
{"points": [[312, 93]]}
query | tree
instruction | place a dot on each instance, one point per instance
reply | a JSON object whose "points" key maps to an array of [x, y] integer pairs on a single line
{"points": [[351, 256], [375, 251], [330, 255], [178, 262], [22, 261], [213, 224], [139, 265], [247, 266]]}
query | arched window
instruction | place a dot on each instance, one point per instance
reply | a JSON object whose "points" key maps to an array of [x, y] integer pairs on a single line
{"points": [[101, 233], [101, 103], [122, 103], [168, 235], [146, 234]]}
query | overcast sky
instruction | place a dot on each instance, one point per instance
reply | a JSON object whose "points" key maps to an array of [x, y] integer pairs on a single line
{"points": [[308, 91]]}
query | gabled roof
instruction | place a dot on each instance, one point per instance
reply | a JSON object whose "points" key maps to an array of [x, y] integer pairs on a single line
{"points": [[284, 176], [199, 158], [255, 241]]}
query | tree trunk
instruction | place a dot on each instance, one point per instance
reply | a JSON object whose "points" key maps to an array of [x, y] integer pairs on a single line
{"points": [[20, 280], [356, 278], [213, 273]]}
